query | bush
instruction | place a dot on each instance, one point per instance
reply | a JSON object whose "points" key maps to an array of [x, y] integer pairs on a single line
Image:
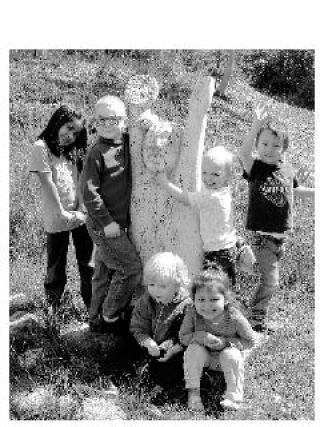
{"points": [[287, 74]]}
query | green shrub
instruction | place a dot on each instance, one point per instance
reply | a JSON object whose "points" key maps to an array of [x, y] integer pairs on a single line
{"points": [[288, 74]]}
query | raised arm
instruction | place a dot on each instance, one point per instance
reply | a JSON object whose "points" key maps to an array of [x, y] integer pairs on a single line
{"points": [[261, 116], [176, 192]]}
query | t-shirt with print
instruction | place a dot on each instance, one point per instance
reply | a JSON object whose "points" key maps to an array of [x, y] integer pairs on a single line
{"points": [[216, 218], [270, 197], [64, 175]]}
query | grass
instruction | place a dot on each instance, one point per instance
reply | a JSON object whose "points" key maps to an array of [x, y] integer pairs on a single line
{"points": [[279, 375]]}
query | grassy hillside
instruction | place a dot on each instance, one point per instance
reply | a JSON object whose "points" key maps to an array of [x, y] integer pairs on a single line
{"points": [[280, 377]]}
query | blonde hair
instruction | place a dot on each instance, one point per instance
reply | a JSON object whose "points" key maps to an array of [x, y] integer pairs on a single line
{"points": [[166, 266], [113, 105], [221, 156]]}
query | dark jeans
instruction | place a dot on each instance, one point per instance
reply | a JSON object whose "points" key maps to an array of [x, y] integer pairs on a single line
{"points": [[117, 273], [226, 259], [57, 249]]}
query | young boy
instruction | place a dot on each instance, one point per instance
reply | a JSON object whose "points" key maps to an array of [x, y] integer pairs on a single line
{"points": [[158, 314], [272, 184], [106, 188], [214, 203]]}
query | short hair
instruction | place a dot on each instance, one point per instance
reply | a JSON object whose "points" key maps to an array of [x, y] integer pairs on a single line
{"points": [[213, 278], [113, 104], [165, 266], [222, 156], [282, 135]]}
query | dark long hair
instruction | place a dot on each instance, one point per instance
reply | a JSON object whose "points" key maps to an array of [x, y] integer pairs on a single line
{"points": [[61, 116]]}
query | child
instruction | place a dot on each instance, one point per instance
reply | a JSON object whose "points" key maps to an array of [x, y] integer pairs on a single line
{"points": [[56, 158], [272, 184], [157, 316], [106, 188], [216, 333], [214, 202]]}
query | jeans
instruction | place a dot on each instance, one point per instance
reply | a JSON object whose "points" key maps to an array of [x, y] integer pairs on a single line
{"points": [[230, 361], [268, 251], [117, 274], [57, 249]]}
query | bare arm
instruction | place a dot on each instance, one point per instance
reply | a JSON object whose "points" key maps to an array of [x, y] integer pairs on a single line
{"points": [[245, 152], [176, 192]]}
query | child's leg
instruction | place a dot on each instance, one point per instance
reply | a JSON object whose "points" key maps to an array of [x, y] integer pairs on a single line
{"points": [[268, 254], [84, 253], [232, 364], [100, 282], [55, 280], [196, 357], [120, 255]]}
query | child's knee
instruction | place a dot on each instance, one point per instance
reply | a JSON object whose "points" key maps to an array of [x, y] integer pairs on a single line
{"points": [[231, 355], [194, 352]]}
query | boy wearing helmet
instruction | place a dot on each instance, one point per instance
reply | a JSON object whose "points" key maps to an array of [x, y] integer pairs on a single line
{"points": [[106, 190]]}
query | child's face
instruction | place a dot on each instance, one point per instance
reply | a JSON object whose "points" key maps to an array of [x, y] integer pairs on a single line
{"points": [[163, 291], [213, 174], [269, 147], [110, 127], [69, 132], [209, 303]]}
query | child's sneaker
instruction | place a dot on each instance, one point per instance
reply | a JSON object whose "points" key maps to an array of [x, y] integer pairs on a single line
{"points": [[194, 400], [230, 404]]}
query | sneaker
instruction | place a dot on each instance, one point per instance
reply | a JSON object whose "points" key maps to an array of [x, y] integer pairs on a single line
{"points": [[230, 404], [194, 400]]}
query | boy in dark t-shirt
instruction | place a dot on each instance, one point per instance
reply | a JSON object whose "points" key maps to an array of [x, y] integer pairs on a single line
{"points": [[106, 190], [272, 185]]}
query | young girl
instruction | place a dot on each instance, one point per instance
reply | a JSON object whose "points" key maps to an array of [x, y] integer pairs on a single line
{"points": [[56, 158], [214, 204], [158, 314], [216, 335]]}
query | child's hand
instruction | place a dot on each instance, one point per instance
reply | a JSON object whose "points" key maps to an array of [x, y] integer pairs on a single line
{"points": [[303, 175], [261, 115], [69, 219], [80, 216], [112, 230], [153, 348], [169, 351], [214, 343]]}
